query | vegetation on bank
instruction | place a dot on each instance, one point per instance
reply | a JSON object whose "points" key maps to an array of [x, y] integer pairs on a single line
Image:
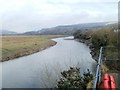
{"points": [[17, 46], [71, 79], [106, 36]]}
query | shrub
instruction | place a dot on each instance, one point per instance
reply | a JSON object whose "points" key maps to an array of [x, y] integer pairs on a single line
{"points": [[72, 79], [100, 37]]}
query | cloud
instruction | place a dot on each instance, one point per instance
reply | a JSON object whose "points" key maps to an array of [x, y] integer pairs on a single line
{"points": [[27, 15]]}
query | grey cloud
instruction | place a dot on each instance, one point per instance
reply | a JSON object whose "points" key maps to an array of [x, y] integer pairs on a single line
{"points": [[31, 17]]}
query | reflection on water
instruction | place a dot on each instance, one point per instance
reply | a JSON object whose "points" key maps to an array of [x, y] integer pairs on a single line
{"points": [[43, 69]]}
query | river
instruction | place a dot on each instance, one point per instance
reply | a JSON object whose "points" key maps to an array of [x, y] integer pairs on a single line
{"points": [[42, 69]]}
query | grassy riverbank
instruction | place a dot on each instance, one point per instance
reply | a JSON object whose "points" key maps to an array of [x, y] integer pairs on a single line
{"points": [[17, 46], [106, 36]]}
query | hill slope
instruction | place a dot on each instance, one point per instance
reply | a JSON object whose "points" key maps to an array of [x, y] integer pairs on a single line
{"points": [[66, 29], [7, 32]]}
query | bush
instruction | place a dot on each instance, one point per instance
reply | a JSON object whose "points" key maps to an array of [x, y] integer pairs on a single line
{"points": [[99, 40], [100, 37], [72, 79]]}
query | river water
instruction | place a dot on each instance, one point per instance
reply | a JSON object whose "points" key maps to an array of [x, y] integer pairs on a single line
{"points": [[42, 69]]}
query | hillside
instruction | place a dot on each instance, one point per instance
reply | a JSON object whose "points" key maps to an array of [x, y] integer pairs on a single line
{"points": [[7, 32], [63, 29], [67, 29]]}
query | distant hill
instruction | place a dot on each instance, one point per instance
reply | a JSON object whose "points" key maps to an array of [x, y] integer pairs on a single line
{"points": [[67, 29], [7, 32], [63, 29], [112, 24]]}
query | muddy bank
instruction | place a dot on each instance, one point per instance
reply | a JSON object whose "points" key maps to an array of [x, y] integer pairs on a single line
{"points": [[28, 52]]}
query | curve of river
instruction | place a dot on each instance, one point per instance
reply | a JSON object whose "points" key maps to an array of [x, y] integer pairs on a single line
{"points": [[43, 69]]}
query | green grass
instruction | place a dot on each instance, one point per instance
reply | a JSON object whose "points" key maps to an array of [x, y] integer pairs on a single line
{"points": [[112, 53], [16, 46], [112, 66]]}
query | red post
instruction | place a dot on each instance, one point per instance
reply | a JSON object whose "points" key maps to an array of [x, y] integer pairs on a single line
{"points": [[107, 82], [104, 84], [112, 83]]}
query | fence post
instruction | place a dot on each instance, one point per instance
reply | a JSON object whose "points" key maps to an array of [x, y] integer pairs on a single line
{"points": [[98, 71]]}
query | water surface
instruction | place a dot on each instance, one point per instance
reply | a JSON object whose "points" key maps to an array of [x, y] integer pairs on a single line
{"points": [[43, 69]]}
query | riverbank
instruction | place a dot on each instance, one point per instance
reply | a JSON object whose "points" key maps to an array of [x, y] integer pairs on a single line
{"points": [[98, 38], [18, 46]]}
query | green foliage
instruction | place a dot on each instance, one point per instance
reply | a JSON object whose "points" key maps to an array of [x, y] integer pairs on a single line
{"points": [[100, 37], [78, 34], [82, 34], [72, 79], [113, 66]]}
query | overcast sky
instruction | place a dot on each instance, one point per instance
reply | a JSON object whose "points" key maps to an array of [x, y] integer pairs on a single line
{"points": [[28, 15]]}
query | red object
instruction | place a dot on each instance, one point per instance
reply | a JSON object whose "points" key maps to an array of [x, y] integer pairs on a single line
{"points": [[104, 84], [112, 83], [106, 77], [107, 82]]}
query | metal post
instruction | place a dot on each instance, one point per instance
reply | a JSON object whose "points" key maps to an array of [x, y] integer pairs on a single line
{"points": [[98, 71]]}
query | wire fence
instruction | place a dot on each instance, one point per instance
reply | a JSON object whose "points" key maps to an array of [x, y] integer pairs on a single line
{"points": [[110, 57]]}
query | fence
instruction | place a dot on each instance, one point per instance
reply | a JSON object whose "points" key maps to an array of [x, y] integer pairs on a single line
{"points": [[106, 54]]}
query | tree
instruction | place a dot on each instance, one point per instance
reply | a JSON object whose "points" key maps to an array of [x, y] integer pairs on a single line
{"points": [[71, 79]]}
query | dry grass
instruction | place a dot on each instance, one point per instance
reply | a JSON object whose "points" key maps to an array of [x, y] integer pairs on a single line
{"points": [[90, 84], [16, 46], [112, 66]]}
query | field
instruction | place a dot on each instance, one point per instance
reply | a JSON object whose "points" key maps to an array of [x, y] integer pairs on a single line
{"points": [[17, 46]]}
